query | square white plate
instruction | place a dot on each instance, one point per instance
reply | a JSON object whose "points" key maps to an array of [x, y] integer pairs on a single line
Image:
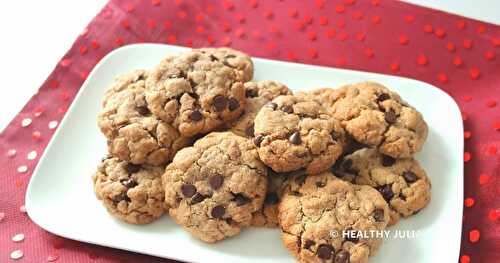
{"points": [[61, 183]]}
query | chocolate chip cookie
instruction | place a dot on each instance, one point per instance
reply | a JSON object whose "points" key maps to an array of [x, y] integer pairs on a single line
{"points": [[200, 89], [213, 187], [378, 117], [257, 94], [402, 182], [295, 132], [130, 192], [317, 211], [133, 133]]}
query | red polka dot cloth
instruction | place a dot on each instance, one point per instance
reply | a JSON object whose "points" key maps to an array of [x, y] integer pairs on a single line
{"points": [[459, 55]]}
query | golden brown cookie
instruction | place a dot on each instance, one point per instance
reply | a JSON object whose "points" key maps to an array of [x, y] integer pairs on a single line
{"points": [[132, 193], [198, 90], [317, 211], [376, 116], [296, 132], [133, 133], [213, 187], [402, 182]]}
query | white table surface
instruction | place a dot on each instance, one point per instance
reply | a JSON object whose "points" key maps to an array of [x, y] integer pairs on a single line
{"points": [[36, 34]]}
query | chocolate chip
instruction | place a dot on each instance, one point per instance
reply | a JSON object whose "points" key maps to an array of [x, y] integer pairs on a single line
{"points": [[250, 93], [347, 164], [121, 197], [300, 179], [129, 183], [231, 221], [240, 199], [188, 190], [219, 102], [410, 177], [402, 197], [320, 184], [233, 104], [390, 116], [308, 244], [295, 138], [342, 257], [192, 82], [213, 58], [295, 193], [197, 198], [351, 236], [143, 110], [272, 105], [287, 109], [249, 131], [382, 97], [195, 115], [271, 199], [386, 192], [216, 181], [387, 160], [229, 56], [132, 168], [336, 135], [324, 251], [378, 214], [258, 140], [218, 212]]}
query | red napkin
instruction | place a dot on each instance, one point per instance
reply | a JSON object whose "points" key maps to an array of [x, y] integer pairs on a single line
{"points": [[459, 55]]}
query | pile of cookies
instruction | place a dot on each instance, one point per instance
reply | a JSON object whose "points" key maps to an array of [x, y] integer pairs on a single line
{"points": [[197, 138]]}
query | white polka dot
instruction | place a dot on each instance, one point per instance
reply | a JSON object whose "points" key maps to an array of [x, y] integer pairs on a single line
{"points": [[16, 254], [53, 125], [52, 258], [31, 155], [26, 122], [18, 238], [22, 169], [22, 209], [11, 153]]}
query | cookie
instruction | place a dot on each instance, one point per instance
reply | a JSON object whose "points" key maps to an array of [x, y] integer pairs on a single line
{"points": [[257, 94], [295, 132], [378, 117], [317, 210], [213, 187], [198, 90], [132, 193], [133, 133], [402, 182]]}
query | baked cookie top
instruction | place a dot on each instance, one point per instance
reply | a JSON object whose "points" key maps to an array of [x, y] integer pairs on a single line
{"points": [[316, 211], [377, 116], [132, 193], [257, 95], [402, 182], [213, 187], [198, 90], [133, 133], [295, 132]]}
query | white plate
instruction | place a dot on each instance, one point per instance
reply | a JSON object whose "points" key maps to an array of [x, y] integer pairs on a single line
{"points": [[60, 198]]}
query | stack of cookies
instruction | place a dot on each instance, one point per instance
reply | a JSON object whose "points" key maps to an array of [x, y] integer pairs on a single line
{"points": [[197, 138]]}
